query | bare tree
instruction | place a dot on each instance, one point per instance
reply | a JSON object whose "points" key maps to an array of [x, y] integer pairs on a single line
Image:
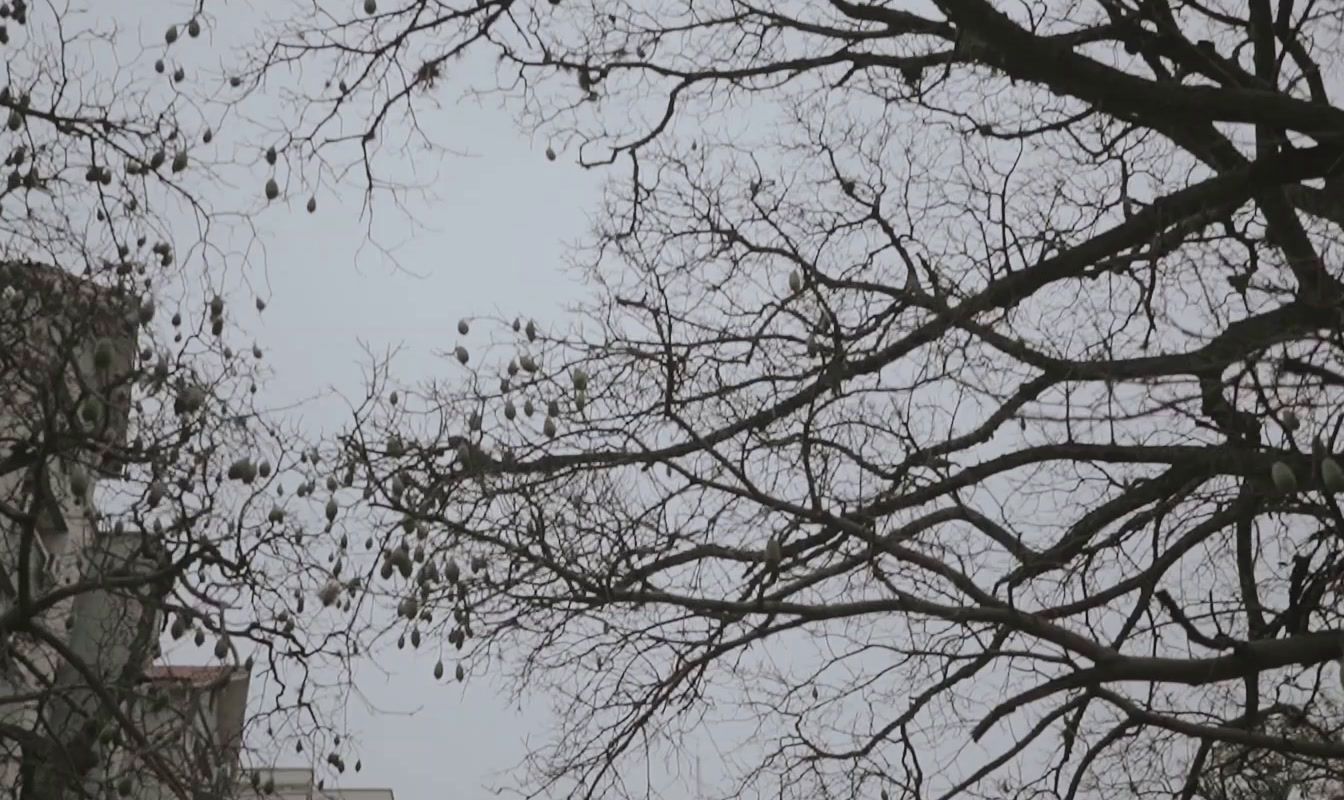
{"points": [[141, 481], [955, 409]]}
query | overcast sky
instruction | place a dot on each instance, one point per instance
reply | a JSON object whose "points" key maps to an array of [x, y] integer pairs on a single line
{"points": [[492, 243]]}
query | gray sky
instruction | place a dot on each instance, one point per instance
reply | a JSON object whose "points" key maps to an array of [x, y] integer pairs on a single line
{"points": [[491, 243]]}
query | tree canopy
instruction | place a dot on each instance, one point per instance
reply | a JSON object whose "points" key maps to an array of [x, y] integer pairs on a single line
{"points": [[954, 406]]}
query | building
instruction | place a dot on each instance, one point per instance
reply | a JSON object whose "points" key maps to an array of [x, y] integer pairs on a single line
{"points": [[218, 697], [67, 365], [67, 351]]}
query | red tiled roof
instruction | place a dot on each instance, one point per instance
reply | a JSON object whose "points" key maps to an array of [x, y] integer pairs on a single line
{"points": [[198, 676]]}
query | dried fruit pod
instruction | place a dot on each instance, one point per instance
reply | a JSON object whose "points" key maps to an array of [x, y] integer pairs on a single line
{"points": [[1284, 479], [272, 189], [1332, 475], [795, 281], [462, 327], [1290, 421], [460, 672], [329, 592], [222, 647], [370, 6], [773, 552], [462, 355], [438, 670]]}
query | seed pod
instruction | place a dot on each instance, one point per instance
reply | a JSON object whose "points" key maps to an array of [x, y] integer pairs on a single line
{"points": [[180, 161], [79, 481], [531, 331], [329, 592], [331, 483], [438, 670], [102, 354], [332, 508], [1290, 421], [548, 427], [272, 189], [462, 354], [451, 571], [517, 324], [510, 411], [415, 637], [462, 327], [1284, 479], [170, 35], [527, 363], [795, 281], [277, 515], [194, 28], [1332, 475], [370, 6], [222, 647], [773, 552], [550, 154], [312, 204], [460, 672], [580, 379], [261, 304]]}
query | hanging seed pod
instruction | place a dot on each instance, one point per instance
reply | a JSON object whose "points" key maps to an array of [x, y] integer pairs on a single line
{"points": [[180, 159], [79, 481], [517, 324], [773, 552], [331, 483], [264, 469], [460, 672], [170, 35], [510, 411], [462, 327], [531, 331], [200, 637], [528, 363], [451, 571], [528, 408], [462, 355], [513, 366], [329, 592], [415, 637], [331, 510], [548, 427], [102, 354], [1290, 421], [1332, 475], [261, 305], [370, 6], [438, 670], [272, 189], [795, 282], [553, 408], [580, 379], [222, 647], [550, 154], [1284, 479], [312, 204]]}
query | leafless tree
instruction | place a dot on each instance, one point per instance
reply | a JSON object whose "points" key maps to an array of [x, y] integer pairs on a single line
{"points": [[954, 410], [140, 477]]}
